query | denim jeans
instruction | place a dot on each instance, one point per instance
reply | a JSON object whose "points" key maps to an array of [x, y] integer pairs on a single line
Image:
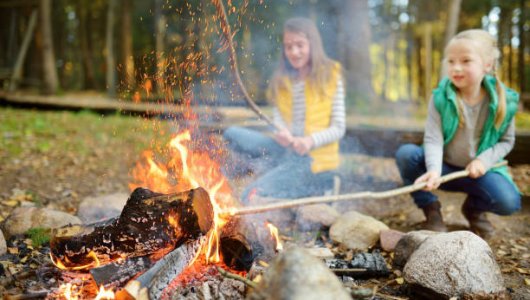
{"points": [[491, 192], [286, 174]]}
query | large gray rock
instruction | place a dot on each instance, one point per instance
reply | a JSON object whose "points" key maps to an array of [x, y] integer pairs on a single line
{"points": [[356, 231], [452, 265], [94, 209], [3, 246], [296, 275], [23, 218], [408, 244]]}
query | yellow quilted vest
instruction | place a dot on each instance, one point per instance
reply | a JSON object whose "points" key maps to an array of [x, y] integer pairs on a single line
{"points": [[317, 117]]}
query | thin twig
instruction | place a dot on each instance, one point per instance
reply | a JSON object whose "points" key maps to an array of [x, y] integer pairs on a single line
{"points": [[227, 32], [35, 295], [227, 274], [355, 270], [275, 203]]}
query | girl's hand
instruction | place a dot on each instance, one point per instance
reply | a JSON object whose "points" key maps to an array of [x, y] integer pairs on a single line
{"points": [[302, 145], [476, 168], [283, 137], [432, 180]]}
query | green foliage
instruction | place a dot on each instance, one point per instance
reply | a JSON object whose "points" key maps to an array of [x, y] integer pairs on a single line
{"points": [[39, 236]]}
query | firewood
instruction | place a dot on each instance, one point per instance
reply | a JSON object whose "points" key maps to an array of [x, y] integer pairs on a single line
{"points": [[242, 242], [150, 224], [158, 277], [117, 274]]}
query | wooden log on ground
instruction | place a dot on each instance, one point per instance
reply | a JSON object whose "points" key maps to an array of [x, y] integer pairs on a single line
{"points": [[150, 224], [243, 241], [384, 142]]}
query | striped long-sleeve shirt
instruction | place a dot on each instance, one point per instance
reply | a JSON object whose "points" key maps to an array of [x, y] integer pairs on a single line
{"points": [[331, 134]]}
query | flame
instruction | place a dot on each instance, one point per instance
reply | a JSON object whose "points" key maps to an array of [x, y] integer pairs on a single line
{"points": [[274, 233], [94, 264], [104, 294], [187, 168]]}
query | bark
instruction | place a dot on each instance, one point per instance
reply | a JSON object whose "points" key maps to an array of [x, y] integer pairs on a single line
{"points": [[51, 81], [522, 47], [452, 25], [150, 224]]}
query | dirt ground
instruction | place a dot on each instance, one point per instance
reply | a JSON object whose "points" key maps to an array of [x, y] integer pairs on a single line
{"points": [[60, 180]]}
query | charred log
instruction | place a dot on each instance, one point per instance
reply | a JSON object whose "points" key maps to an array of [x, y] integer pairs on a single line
{"points": [[243, 241], [150, 224], [118, 274], [363, 265], [153, 282]]}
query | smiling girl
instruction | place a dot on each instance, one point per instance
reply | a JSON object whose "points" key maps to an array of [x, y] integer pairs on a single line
{"points": [[470, 125], [308, 98]]}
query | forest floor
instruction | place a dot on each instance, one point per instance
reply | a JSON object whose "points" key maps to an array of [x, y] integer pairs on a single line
{"points": [[57, 158]]}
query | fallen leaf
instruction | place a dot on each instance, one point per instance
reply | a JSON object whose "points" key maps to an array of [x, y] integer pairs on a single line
{"points": [[12, 250], [400, 280], [527, 281], [522, 271], [10, 203], [24, 259]]}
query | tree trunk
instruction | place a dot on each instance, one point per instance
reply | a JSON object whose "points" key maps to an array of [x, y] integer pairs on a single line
{"points": [[50, 80], [522, 47], [86, 51], [19, 63], [356, 39], [111, 73], [160, 33], [452, 26], [427, 40], [127, 44]]}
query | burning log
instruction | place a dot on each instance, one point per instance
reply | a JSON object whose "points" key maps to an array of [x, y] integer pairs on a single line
{"points": [[243, 241], [118, 274], [150, 224], [153, 282]]}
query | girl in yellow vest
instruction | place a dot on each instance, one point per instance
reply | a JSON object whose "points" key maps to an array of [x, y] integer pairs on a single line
{"points": [[470, 125], [308, 99]]}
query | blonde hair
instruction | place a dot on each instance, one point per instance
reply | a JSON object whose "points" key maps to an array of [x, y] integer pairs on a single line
{"points": [[489, 52], [320, 63]]}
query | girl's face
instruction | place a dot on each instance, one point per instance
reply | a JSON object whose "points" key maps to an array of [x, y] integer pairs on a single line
{"points": [[466, 67], [297, 50]]}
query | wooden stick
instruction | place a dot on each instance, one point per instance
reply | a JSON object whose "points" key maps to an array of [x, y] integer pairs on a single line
{"points": [[285, 203], [227, 32], [227, 274]]}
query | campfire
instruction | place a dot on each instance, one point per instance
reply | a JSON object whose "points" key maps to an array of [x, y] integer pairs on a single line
{"points": [[170, 231]]}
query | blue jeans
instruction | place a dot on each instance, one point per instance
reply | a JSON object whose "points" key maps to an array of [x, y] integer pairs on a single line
{"points": [[491, 192], [287, 175]]}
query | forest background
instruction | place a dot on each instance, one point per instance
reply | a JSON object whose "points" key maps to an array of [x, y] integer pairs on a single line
{"points": [[172, 50]]}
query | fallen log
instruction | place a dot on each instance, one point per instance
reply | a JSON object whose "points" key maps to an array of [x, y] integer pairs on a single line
{"points": [[151, 224]]}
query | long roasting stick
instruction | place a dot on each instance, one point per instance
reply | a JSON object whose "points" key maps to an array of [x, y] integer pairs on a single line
{"points": [[284, 203], [227, 32]]}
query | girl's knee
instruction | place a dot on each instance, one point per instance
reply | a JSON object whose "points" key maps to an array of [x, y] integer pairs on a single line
{"points": [[405, 153], [230, 133], [509, 205]]}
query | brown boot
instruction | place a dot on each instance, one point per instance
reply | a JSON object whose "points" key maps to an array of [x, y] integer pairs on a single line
{"points": [[478, 222], [433, 214]]}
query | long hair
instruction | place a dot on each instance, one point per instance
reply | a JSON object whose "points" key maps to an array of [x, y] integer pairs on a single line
{"points": [[489, 52], [320, 63]]}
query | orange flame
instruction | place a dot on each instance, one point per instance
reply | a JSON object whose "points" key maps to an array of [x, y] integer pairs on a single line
{"points": [[94, 264], [187, 168], [104, 294], [274, 233]]}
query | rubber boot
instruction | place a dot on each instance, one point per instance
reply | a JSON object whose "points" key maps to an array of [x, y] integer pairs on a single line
{"points": [[433, 214], [478, 222]]}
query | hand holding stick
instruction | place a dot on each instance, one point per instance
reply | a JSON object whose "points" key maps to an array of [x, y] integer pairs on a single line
{"points": [[286, 203]]}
